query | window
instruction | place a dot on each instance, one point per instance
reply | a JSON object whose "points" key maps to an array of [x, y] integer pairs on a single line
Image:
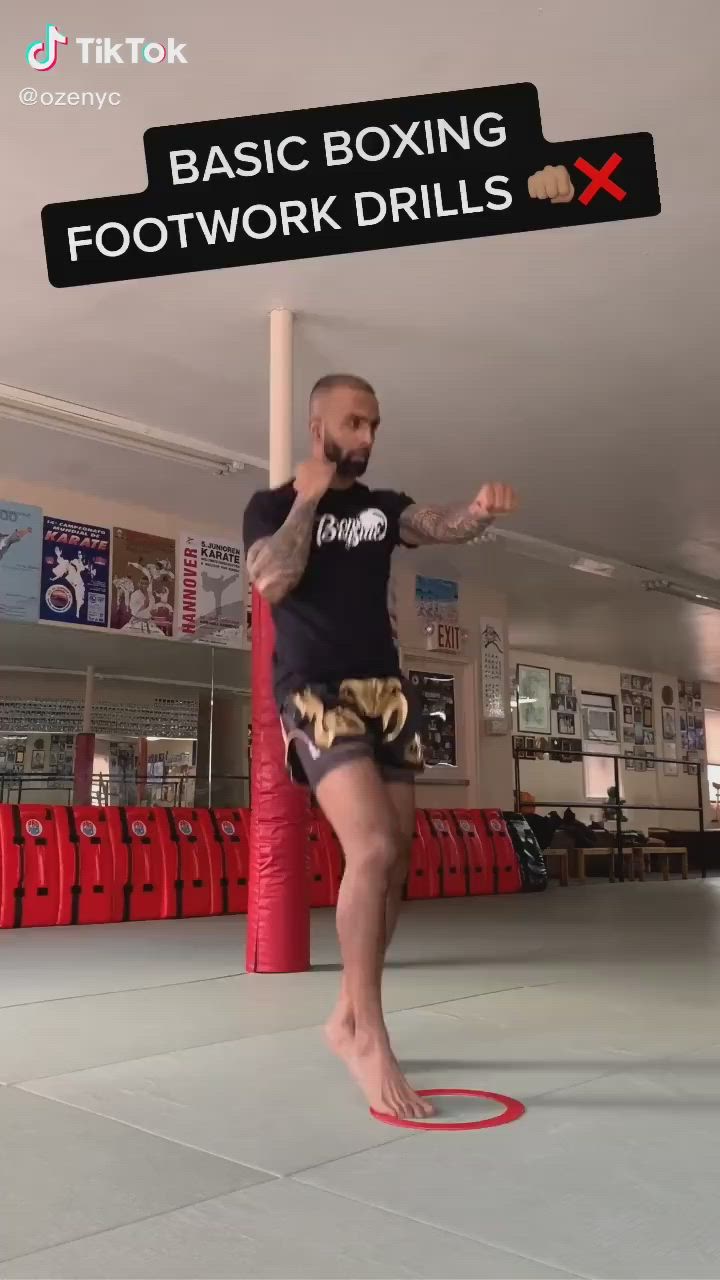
{"points": [[598, 772], [712, 745], [599, 718]]}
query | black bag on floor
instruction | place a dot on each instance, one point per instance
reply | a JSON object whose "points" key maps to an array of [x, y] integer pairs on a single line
{"points": [[529, 854]]}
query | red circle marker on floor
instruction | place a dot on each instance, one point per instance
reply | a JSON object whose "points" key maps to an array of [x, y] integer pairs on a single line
{"points": [[513, 1111]]}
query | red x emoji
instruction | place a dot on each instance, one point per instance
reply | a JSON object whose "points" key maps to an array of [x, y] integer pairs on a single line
{"points": [[600, 179]]}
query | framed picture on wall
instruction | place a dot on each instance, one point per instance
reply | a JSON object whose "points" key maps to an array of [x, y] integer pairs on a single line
{"points": [[533, 699], [668, 724], [566, 724], [563, 684]]}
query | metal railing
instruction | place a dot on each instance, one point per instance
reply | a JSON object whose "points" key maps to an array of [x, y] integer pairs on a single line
{"points": [[170, 790], [577, 757]]}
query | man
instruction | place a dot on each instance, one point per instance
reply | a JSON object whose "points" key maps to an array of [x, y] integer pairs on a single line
{"points": [[72, 571], [318, 549], [8, 540]]}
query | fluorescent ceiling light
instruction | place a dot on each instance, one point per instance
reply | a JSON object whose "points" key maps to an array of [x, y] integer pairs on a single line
{"points": [[597, 567], [668, 588], [19, 405]]}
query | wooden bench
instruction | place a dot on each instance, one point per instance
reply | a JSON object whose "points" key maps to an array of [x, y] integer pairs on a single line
{"points": [[634, 856], [583, 854], [563, 872], [665, 853]]}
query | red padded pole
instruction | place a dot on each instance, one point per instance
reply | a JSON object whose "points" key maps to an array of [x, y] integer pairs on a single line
{"points": [[278, 924]]}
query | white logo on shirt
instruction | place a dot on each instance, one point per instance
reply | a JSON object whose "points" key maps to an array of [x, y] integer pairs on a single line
{"points": [[368, 526]]}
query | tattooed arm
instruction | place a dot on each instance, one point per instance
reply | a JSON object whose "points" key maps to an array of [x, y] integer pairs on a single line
{"points": [[276, 564], [423, 526]]}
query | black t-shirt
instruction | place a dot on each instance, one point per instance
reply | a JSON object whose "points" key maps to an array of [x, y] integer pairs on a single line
{"points": [[335, 624]]}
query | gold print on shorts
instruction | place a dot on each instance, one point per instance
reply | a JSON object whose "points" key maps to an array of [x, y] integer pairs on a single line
{"points": [[328, 723], [378, 700]]}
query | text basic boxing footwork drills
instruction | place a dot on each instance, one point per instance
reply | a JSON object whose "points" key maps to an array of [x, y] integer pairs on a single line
{"points": [[345, 179]]}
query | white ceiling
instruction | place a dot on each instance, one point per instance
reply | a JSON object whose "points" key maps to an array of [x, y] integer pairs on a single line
{"points": [[580, 365]]}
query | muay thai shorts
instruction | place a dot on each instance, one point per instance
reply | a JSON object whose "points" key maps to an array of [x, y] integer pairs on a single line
{"points": [[328, 725]]}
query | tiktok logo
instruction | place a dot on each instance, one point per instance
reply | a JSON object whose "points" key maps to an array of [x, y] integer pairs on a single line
{"points": [[42, 54]]}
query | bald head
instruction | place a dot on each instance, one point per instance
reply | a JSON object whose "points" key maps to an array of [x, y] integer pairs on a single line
{"points": [[344, 414], [331, 381]]}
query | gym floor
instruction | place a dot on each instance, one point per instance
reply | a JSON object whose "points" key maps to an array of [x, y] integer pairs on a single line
{"points": [[166, 1115]]}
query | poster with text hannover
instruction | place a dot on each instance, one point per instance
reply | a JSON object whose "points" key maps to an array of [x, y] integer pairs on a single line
{"points": [[211, 597], [20, 555], [143, 583], [75, 573]]}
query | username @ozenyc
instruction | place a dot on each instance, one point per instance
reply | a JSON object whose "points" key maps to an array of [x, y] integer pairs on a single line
{"points": [[92, 99]]}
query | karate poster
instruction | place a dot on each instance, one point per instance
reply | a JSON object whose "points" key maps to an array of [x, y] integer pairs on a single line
{"points": [[211, 596], [143, 583], [247, 638], [75, 573], [437, 599], [20, 555]]}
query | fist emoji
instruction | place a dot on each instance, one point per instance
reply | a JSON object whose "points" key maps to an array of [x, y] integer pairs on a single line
{"points": [[551, 183]]}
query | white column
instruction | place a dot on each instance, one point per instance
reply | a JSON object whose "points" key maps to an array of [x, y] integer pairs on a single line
{"points": [[89, 699], [211, 725], [281, 389]]}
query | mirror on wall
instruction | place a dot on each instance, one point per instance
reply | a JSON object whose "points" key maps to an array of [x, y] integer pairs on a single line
{"points": [[169, 719]]}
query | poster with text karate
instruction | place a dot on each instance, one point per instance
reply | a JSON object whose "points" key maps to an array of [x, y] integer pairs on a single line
{"points": [[143, 583], [75, 573], [20, 555], [211, 599]]}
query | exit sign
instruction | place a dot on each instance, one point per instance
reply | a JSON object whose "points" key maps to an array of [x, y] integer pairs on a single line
{"points": [[445, 637]]}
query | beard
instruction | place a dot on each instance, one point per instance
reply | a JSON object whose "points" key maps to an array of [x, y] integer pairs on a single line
{"points": [[349, 465]]}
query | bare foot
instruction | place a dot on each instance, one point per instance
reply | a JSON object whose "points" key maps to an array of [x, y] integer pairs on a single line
{"points": [[340, 1031], [376, 1071]]}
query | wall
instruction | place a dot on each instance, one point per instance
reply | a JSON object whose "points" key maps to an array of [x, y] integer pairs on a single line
{"points": [[227, 765], [78, 505], [231, 666], [491, 785], [711, 698], [563, 784], [58, 684]]}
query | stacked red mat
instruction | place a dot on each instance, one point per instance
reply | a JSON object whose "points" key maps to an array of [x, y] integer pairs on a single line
{"points": [[62, 866]]}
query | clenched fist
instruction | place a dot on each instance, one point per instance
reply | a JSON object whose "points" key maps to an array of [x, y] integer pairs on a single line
{"points": [[494, 500], [313, 478], [552, 183]]}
